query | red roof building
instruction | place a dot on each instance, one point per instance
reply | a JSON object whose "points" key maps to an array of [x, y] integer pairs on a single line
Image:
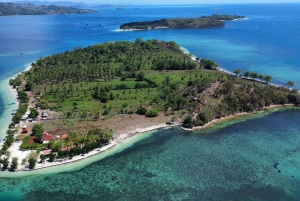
{"points": [[47, 138]]}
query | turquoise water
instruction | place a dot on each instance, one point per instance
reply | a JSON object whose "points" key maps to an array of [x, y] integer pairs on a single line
{"points": [[235, 162]]}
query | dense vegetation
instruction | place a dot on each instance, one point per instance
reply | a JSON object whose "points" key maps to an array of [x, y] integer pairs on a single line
{"points": [[205, 21], [31, 9], [147, 78]]}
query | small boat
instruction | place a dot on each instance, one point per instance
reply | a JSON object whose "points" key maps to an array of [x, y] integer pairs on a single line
{"points": [[12, 103]]}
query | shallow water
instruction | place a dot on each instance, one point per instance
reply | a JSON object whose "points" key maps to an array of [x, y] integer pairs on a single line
{"points": [[235, 162]]}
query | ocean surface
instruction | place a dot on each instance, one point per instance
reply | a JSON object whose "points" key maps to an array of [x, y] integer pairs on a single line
{"points": [[233, 162]]}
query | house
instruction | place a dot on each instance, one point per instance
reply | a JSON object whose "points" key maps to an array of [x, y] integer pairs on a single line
{"points": [[46, 138]]}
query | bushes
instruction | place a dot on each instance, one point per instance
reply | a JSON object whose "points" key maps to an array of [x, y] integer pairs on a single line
{"points": [[152, 113], [141, 111]]}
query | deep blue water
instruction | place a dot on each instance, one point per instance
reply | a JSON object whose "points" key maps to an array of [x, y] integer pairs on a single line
{"points": [[267, 42]]}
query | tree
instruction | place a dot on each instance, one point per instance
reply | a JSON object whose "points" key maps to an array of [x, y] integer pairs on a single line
{"points": [[140, 76], [5, 163], [138, 40], [29, 86], [14, 164], [247, 74], [237, 71], [254, 75], [290, 84], [261, 77], [187, 122], [141, 111], [152, 113], [43, 158], [33, 113], [268, 78], [32, 162], [52, 157], [38, 131]]}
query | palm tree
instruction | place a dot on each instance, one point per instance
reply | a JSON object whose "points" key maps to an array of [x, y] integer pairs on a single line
{"points": [[237, 71], [290, 84]]}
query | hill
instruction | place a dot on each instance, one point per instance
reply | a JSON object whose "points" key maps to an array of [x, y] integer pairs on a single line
{"points": [[31, 9]]}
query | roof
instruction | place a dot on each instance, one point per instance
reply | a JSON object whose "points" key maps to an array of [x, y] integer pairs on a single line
{"points": [[47, 152], [64, 136], [47, 137], [31, 140]]}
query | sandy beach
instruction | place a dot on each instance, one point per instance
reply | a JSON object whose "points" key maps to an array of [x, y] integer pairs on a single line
{"points": [[9, 95]]}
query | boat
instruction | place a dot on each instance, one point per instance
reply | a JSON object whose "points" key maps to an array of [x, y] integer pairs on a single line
{"points": [[12, 103]]}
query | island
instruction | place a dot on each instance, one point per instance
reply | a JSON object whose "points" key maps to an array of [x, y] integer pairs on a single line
{"points": [[201, 22], [7, 9], [82, 102]]}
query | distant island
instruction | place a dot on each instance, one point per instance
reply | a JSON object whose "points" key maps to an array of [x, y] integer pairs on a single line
{"points": [[7, 9], [201, 22]]}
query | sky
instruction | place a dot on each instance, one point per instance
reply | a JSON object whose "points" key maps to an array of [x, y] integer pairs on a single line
{"points": [[152, 2]]}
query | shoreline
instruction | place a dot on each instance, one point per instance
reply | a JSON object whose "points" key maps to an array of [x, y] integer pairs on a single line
{"points": [[122, 142], [9, 95], [235, 116]]}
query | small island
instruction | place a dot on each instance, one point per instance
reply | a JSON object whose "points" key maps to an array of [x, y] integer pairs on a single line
{"points": [[201, 22], [82, 102], [7, 9]]}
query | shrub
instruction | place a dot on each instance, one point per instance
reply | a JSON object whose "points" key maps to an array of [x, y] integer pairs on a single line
{"points": [[152, 113], [141, 111]]}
